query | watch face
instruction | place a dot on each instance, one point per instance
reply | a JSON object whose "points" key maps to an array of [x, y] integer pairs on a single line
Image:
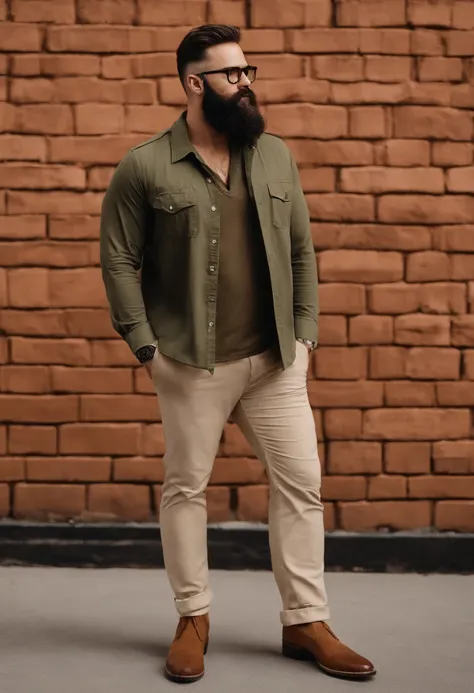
{"points": [[145, 353]]}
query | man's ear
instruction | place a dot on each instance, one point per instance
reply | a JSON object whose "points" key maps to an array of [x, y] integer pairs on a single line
{"points": [[194, 84]]}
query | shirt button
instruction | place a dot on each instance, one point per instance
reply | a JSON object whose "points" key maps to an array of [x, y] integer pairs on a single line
{"points": [[208, 180], [211, 324], [213, 241], [212, 268], [213, 209], [171, 206], [212, 299]]}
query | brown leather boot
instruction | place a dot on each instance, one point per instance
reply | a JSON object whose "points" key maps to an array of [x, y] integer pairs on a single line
{"points": [[316, 642], [185, 662]]}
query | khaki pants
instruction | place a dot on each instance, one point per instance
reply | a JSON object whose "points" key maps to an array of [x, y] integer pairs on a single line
{"points": [[271, 407]]}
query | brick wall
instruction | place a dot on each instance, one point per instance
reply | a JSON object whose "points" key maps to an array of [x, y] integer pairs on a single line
{"points": [[376, 100]]}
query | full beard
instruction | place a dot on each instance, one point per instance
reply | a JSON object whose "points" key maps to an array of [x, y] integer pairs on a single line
{"points": [[237, 117]]}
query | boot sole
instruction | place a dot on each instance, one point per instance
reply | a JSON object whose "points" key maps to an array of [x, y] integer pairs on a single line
{"points": [[303, 655], [176, 678]]}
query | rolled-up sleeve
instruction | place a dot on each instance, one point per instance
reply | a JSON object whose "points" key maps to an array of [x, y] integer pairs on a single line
{"points": [[123, 224]]}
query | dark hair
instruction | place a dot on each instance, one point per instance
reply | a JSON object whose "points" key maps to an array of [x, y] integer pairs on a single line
{"points": [[196, 42]]}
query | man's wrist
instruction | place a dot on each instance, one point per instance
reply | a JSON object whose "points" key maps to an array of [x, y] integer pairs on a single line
{"points": [[309, 343], [145, 353]]}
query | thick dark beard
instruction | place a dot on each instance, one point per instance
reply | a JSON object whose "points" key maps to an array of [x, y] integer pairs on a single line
{"points": [[237, 118]]}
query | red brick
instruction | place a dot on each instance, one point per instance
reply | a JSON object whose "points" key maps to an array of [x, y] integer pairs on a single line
{"points": [[431, 93], [387, 487], [218, 503], [138, 469], [47, 119], [441, 487], [176, 13], [371, 329], [379, 180], [387, 362], [452, 153], [396, 515], [106, 149], [95, 119], [436, 123], [426, 209], [371, 13], [286, 91], [407, 458], [55, 65], [443, 298], [307, 120], [99, 178], [20, 37], [433, 363], [462, 330], [354, 457], [388, 68], [454, 457], [370, 236], [420, 330], [461, 179], [38, 409], [462, 265], [455, 516], [57, 12], [28, 288], [89, 323], [25, 379], [39, 176], [347, 299], [416, 424], [112, 353], [46, 253], [113, 502], [23, 227], [98, 380], [117, 39], [227, 12], [99, 439], [338, 68], [338, 207], [459, 43], [429, 13], [439, 69], [318, 179], [106, 12], [322, 40], [32, 322], [22, 148], [149, 119], [32, 440], [469, 364], [360, 266], [253, 502], [70, 352], [270, 67], [262, 41], [73, 227], [463, 15], [348, 394], [393, 298], [388, 41], [119, 408], [430, 265], [332, 153], [343, 424], [369, 92], [140, 91], [368, 122], [54, 202], [292, 13], [48, 502], [462, 95], [153, 440], [12, 469], [343, 488], [340, 363], [4, 500], [332, 330], [68, 469], [77, 288], [407, 153], [410, 394], [455, 394], [240, 470]]}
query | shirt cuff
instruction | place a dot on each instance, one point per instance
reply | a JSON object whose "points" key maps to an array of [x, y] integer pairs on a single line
{"points": [[140, 336], [306, 328]]}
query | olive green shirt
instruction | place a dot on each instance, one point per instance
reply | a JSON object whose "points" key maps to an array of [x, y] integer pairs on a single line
{"points": [[159, 244]]}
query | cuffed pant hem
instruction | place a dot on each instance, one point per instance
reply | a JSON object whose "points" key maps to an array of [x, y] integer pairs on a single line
{"points": [[307, 614], [197, 605]]}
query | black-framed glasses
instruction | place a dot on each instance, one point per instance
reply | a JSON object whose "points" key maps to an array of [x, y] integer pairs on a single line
{"points": [[234, 74]]}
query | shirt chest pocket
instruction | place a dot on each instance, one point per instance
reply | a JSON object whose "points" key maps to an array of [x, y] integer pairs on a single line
{"points": [[280, 199], [175, 213]]}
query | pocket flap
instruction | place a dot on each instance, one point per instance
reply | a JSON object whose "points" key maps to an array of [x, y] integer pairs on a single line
{"points": [[173, 202], [280, 190]]}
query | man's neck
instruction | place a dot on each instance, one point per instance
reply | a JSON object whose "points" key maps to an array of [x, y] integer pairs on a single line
{"points": [[202, 135]]}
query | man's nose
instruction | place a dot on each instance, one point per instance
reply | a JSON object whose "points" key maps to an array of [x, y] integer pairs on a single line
{"points": [[244, 80]]}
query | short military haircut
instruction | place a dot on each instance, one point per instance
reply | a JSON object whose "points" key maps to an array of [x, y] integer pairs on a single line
{"points": [[193, 47]]}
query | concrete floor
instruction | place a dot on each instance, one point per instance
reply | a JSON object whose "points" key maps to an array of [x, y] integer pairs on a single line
{"points": [[95, 631]]}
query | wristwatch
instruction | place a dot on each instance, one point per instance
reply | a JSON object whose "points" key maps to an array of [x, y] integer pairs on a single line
{"points": [[146, 353], [309, 344]]}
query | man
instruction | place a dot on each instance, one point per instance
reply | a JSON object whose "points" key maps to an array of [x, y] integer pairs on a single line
{"points": [[223, 317]]}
